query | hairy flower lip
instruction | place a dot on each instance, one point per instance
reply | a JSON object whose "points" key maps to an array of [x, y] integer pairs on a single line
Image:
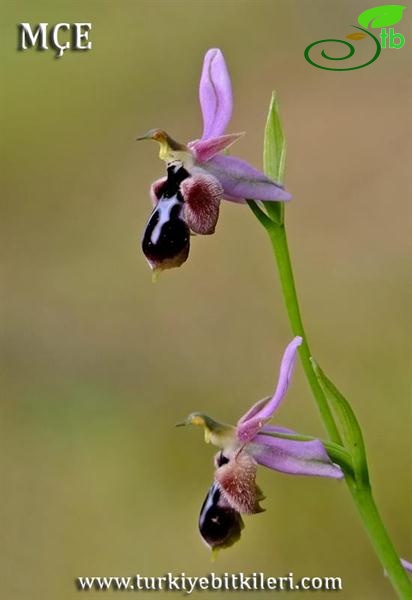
{"points": [[220, 525]]}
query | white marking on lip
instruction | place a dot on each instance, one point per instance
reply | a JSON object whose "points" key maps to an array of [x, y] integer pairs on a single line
{"points": [[209, 503], [164, 209]]}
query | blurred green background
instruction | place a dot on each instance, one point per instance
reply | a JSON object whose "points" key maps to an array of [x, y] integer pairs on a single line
{"points": [[98, 364]]}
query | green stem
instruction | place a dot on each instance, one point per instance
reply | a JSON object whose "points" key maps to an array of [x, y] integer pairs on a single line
{"points": [[361, 492], [278, 239], [380, 539]]}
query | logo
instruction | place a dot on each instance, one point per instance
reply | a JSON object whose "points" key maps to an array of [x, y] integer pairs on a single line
{"points": [[380, 17]]}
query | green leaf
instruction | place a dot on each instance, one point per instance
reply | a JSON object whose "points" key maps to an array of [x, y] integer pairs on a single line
{"points": [[274, 156], [381, 16], [274, 149], [351, 432]]}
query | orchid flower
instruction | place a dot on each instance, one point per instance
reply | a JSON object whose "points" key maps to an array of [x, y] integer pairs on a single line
{"points": [[242, 448], [199, 176]]}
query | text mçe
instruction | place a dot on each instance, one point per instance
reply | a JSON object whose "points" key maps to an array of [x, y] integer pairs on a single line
{"points": [[42, 34]]}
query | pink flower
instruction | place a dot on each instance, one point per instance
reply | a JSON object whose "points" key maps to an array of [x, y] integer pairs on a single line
{"points": [[253, 442], [199, 176]]}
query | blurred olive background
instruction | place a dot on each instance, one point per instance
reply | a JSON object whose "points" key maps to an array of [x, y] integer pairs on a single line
{"points": [[98, 364]]}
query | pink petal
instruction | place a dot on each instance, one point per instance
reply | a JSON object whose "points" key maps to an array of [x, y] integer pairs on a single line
{"points": [[206, 149], [202, 194], [262, 411], [274, 429], [293, 457], [215, 94], [240, 180]]}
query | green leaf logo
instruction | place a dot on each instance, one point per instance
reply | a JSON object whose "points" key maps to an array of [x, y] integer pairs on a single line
{"points": [[381, 16]]}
